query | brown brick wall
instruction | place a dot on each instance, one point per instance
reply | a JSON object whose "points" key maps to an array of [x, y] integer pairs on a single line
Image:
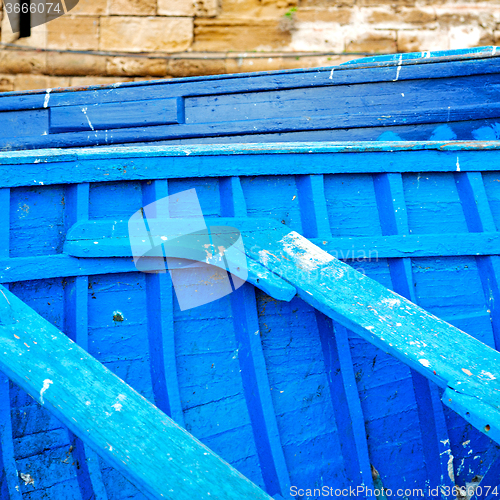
{"points": [[218, 36]]}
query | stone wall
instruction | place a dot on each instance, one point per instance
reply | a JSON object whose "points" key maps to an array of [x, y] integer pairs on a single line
{"points": [[200, 37]]}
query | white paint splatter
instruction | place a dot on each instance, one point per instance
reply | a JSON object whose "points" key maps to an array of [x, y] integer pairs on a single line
{"points": [[46, 384], [458, 165], [86, 116], [331, 74], [47, 97], [488, 374], [27, 478], [311, 256], [118, 406], [424, 362], [164, 238], [493, 51], [391, 302], [451, 473], [399, 67]]}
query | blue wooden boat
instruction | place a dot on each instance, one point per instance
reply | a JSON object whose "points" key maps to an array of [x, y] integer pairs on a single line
{"points": [[338, 364]]}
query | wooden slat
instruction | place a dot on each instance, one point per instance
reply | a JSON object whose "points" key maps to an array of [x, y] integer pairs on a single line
{"points": [[391, 205], [252, 363], [336, 350], [113, 115], [479, 219], [161, 334], [76, 327], [9, 477], [427, 344], [130, 433], [162, 162]]}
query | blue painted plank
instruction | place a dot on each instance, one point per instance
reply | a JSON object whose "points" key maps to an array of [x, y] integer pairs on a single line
{"points": [[76, 327], [391, 203], [144, 163], [480, 219], [114, 115], [161, 327], [9, 480], [257, 393], [130, 433], [251, 359], [345, 401], [388, 321]]}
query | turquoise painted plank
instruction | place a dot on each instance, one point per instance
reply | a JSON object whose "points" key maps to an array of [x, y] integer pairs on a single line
{"points": [[130, 433], [112, 241], [465, 367], [161, 162], [105, 238], [411, 245]]}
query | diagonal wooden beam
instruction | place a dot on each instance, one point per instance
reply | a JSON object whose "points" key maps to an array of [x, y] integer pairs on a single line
{"points": [[159, 457]]}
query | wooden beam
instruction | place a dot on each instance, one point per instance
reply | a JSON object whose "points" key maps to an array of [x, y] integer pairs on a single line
{"points": [[427, 344], [132, 435]]}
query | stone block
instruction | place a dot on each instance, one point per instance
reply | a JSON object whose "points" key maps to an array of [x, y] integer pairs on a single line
{"points": [[198, 8], [322, 4], [75, 64], [422, 40], [34, 82], [85, 81], [129, 66], [395, 3], [247, 65], [6, 83], [340, 16], [13, 61], [461, 18], [90, 8], [73, 33], [146, 34], [132, 7], [390, 18], [196, 67], [376, 42], [238, 34]]}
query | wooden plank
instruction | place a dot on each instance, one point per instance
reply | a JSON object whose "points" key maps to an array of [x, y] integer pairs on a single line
{"points": [[336, 350], [113, 115], [130, 433], [76, 327], [161, 333], [234, 128], [433, 68], [252, 363], [479, 219], [345, 400], [389, 193], [422, 341], [9, 477], [313, 209], [489, 486], [61, 265], [162, 162]]}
